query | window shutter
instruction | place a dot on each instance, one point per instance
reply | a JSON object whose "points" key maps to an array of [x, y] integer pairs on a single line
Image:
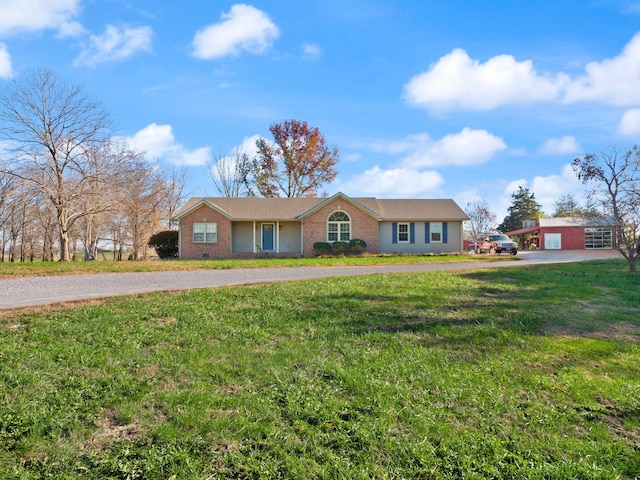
{"points": [[427, 232], [444, 232], [394, 232], [412, 232]]}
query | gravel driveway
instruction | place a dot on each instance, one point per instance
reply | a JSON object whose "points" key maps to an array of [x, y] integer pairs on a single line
{"points": [[33, 291]]}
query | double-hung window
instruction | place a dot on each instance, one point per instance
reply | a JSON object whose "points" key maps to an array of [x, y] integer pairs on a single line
{"points": [[403, 233], [205, 232], [338, 227], [436, 232]]}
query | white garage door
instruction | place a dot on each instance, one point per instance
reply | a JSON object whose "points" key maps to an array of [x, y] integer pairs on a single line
{"points": [[552, 241]]}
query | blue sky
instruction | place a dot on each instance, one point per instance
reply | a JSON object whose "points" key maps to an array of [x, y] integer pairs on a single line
{"points": [[424, 99]]}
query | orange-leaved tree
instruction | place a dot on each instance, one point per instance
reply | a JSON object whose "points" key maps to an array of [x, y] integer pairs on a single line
{"points": [[296, 163]]}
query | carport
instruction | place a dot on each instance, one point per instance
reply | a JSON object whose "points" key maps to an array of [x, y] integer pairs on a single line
{"points": [[527, 242]]}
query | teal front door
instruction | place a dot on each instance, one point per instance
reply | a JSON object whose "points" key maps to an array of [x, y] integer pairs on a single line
{"points": [[267, 236]]}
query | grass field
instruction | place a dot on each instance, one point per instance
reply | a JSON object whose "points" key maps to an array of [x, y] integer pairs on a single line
{"points": [[507, 373], [27, 269]]}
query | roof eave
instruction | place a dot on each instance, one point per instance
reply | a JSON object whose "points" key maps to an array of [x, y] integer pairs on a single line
{"points": [[199, 204], [346, 198]]}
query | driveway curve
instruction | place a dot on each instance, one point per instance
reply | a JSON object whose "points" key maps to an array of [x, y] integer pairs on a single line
{"points": [[34, 291]]}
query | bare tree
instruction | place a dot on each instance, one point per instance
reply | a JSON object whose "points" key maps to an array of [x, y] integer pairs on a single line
{"points": [[17, 218], [7, 187], [481, 218], [46, 225], [54, 132], [175, 182], [615, 181], [118, 233], [142, 197], [231, 175]]}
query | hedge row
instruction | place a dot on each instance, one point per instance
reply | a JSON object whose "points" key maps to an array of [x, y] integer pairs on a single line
{"points": [[353, 247]]}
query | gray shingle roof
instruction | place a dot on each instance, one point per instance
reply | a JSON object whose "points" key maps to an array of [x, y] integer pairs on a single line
{"points": [[244, 208]]}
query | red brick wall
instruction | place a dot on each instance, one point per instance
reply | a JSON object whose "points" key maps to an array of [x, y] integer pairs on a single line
{"points": [[363, 226], [220, 249]]}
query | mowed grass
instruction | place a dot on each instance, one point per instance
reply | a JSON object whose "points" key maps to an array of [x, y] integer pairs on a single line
{"points": [[507, 373], [29, 269]]}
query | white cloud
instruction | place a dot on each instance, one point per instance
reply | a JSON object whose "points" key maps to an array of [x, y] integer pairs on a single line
{"points": [[394, 182], [159, 143], [6, 70], [560, 146], [311, 51], [35, 15], [548, 189], [243, 28], [228, 162], [467, 147], [514, 185], [248, 146], [614, 81], [116, 43], [630, 123], [456, 81]]}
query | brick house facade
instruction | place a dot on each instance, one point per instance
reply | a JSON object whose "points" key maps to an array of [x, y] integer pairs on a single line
{"points": [[289, 227]]}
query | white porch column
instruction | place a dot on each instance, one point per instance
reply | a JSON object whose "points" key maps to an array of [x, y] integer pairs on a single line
{"points": [[254, 237]]}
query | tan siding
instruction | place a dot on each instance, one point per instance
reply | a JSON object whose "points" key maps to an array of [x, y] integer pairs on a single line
{"points": [[243, 237], [454, 242]]}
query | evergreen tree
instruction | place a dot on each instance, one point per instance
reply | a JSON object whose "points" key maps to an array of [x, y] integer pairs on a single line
{"points": [[567, 206], [523, 207]]}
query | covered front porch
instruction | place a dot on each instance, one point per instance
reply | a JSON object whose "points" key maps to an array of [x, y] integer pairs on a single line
{"points": [[265, 236]]}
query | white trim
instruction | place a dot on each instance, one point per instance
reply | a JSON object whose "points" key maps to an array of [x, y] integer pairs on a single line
{"points": [[553, 241], [431, 232], [339, 223], [205, 232], [408, 232]]}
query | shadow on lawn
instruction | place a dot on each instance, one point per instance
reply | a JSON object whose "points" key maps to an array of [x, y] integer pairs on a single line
{"points": [[594, 300]]}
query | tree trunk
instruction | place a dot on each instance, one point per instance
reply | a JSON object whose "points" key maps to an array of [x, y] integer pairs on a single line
{"points": [[64, 246]]}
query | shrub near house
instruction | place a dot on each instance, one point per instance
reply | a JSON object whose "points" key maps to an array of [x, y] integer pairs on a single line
{"points": [[165, 244], [355, 246]]}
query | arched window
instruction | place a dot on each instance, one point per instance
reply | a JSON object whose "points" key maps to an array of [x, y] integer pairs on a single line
{"points": [[338, 227]]}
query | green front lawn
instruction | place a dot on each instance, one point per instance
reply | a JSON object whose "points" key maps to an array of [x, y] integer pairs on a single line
{"points": [[27, 269], [507, 373]]}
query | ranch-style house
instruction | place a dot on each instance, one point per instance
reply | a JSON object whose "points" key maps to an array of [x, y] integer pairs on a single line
{"points": [[225, 227]]}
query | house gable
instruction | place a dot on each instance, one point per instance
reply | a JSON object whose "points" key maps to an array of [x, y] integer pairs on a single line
{"points": [[204, 213], [196, 205], [363, 224], [335, 198]]}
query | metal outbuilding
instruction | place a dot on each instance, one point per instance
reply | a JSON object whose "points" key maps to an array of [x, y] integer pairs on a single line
{"points": [[568, 233]]}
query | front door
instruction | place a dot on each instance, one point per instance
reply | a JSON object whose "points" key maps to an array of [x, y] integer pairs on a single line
{"points": [[267, 236]]}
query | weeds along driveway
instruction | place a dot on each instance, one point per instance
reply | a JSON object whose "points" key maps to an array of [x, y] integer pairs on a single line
{"points": [[34, 291]]}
